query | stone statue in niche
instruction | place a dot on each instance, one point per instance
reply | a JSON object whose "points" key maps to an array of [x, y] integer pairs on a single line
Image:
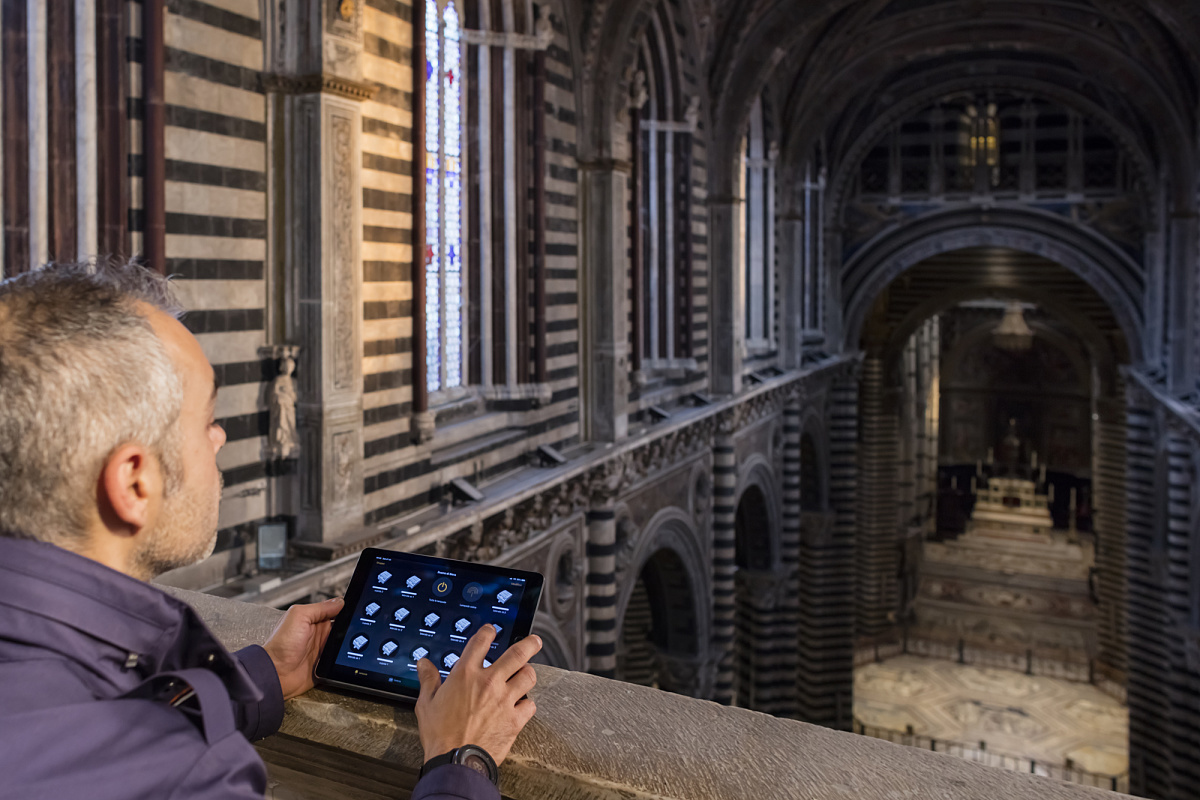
{"points": [[543, 29], [284, 441]]}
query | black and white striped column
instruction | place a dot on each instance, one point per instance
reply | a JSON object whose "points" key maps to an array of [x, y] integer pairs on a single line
{"points": [[602, 592], [877, 546], [788, 615], [1108, 493], [1149, 745], [766, 655], [825, 681], [724, 561]]}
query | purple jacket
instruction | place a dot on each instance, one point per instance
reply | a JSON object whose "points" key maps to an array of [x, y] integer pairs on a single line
{"points": [[113, 690]]}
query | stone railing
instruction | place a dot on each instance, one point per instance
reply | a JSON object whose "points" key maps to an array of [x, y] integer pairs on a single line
{"points": [[596, 739]]}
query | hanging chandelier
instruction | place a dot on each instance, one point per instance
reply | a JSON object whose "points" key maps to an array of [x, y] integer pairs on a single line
{"points": [[1013, 333]]}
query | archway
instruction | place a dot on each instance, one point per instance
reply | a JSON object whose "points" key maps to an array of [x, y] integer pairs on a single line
{"points": [[660, 639], [955, 346], [759, 588]]}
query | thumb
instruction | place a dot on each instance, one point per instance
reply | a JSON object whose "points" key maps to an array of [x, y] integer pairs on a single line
{"points": [[431, 681], [316, 613]]}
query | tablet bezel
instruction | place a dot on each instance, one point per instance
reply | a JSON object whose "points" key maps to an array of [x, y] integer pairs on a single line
{"points": [[329, 673]]}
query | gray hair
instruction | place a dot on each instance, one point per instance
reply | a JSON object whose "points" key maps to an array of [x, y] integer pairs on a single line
{"points": [[81, 373]]}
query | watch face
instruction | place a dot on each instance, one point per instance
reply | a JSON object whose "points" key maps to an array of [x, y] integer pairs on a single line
{"points": [[477, 763], [477, 758]]}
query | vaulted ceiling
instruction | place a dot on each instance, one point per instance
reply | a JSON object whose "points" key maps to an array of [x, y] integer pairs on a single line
{"points": [[835, 66]]}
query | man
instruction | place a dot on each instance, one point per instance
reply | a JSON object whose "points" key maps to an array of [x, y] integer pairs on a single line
{"points": [[110, 688]]}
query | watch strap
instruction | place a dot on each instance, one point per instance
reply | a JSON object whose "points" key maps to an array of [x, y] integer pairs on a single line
{"points": [[457, 755], [438, 761]]}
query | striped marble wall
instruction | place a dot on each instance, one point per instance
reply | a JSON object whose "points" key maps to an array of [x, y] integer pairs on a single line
{"points": [[216, 217]]}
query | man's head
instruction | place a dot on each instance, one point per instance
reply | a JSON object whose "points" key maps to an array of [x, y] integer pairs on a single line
{"points": [[107, 439]]}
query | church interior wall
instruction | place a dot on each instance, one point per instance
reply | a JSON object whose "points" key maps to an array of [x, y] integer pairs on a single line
{"points": [[603, 141]]}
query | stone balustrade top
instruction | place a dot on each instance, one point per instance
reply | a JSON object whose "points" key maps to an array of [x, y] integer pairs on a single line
{"points": [[597, 739]]}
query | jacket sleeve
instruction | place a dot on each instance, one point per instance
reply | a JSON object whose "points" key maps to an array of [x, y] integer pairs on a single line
{"points": [[259, 720], [454, 782]]}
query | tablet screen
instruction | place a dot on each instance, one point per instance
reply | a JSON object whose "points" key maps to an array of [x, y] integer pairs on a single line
{"points": [[401, 608]]}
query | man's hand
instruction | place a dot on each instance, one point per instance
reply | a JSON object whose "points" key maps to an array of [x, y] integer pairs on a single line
{"points": [[483, 706], [297, 641]]}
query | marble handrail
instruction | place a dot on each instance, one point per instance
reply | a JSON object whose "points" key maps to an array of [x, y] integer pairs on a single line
{"points": [[597, 739]]}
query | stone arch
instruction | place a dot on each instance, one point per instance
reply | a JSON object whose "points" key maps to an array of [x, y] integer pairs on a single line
{"points": [[669, 578], [757, 583], [843, 178], [1114, 276], [609, 39], [756, 487]]}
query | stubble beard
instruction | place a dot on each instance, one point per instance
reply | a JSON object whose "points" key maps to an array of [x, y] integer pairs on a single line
{"points": [[187, 534]]}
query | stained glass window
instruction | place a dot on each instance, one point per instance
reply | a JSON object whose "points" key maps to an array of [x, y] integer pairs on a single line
{"points": [[444, 289]]}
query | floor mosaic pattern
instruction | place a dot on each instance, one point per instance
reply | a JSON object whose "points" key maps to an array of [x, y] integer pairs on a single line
{"points": [[1040, 718]]}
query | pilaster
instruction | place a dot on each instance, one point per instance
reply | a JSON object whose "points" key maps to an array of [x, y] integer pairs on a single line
{"points": [[323, 218], [727, 304], [766, 664], [825, 684], [725, 481], [606, 378], [1109, 501], [601, 655], [877, 545], [1181, 303], [788, 614]]}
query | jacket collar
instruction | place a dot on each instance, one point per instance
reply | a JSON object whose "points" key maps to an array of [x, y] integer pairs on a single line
{"points": [[111, 608]]}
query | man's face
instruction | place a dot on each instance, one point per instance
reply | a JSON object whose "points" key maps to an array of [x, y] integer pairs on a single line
{"points": [[187, 527]]}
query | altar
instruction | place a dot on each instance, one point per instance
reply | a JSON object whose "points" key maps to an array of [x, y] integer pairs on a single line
{"points": [[1011, 581]]}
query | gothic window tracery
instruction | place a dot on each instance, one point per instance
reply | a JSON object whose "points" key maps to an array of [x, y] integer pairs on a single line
{"points": [[445, 275], [663, 122], [758, 226]]}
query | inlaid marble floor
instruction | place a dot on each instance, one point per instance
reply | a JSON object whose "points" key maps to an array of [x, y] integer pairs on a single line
{"points": [[1041, 718]]}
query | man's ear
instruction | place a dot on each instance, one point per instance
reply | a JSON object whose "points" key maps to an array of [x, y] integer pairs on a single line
{"points": [[130, 489]]}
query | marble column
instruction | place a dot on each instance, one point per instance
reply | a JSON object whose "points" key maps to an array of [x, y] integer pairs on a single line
{"points": [[791, 289], [602, 592], [788, 614], [1108, 503], [323, 219], [727, 304], [877, 543], [825, 682], [1148, 744], [765, 665], [725, 481], [605, 267], [1181, 302]]}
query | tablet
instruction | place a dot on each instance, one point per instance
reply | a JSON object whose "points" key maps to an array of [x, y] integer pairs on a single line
{"points": [[401, 608]]}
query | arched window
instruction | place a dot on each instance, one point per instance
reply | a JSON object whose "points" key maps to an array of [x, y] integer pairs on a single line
{"points": [[445, 276], [758, 225], [664, 124]]}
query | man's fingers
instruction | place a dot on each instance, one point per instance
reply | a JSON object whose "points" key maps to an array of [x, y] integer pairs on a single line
{"points": [[478, 646], [316, 613], [430, 679], [518, 656], [525, 710], [520, 684]]}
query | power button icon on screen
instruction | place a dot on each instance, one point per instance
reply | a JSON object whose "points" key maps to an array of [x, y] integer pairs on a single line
{"points": [[442, 587]]}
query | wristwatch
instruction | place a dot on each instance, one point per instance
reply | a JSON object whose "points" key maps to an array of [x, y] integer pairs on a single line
{"points": [[469, 755]]}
